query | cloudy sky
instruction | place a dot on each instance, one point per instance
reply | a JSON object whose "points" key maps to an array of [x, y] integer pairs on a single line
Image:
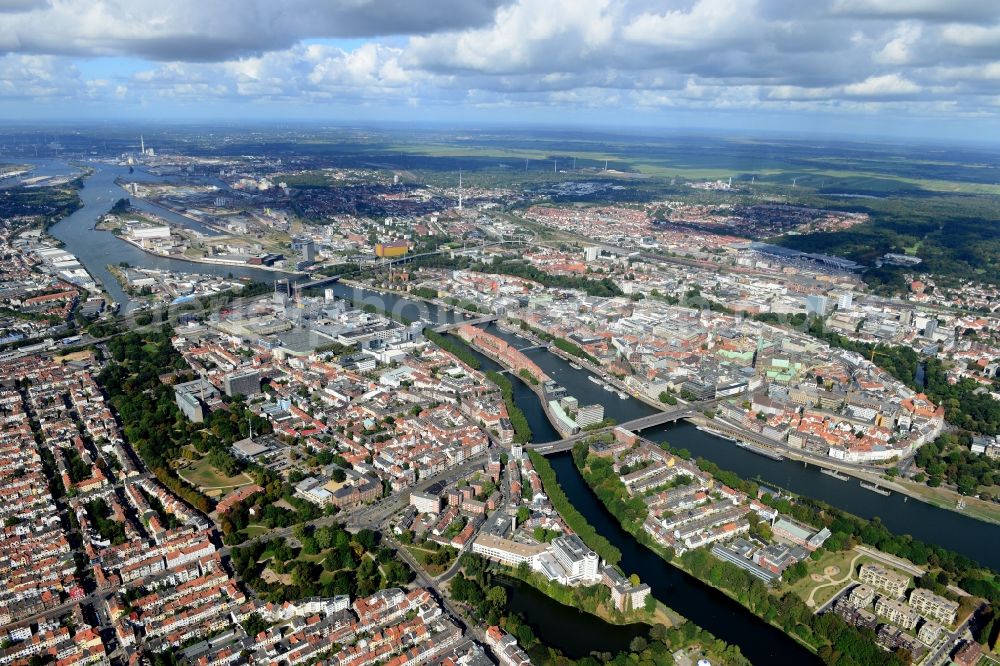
{"points": [[918, 66]]}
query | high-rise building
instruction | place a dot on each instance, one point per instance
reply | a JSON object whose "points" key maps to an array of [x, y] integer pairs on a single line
{"points": [[242, 383], [816, 305], [579, 561], [425, 502], [931, 328], [305, 247], [392, 249], [589, 415], [282, 291], [845, 300], [194, 397], [591, 252]]}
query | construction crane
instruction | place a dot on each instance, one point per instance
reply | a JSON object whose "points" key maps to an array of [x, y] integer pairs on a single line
{"points": [[875, 352]]}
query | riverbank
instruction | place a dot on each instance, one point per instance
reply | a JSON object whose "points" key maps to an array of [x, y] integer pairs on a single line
{"points": [[506, 326], [941, 498], [173, 209], [917, 519], [701, 603], [633, 528], [411, 297], [194, 260], [119, 275], [534, 387], [983, 510], [590, 600]]}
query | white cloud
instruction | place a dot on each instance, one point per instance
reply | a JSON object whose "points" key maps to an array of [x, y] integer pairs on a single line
{"points": [[210, 30], [35, 77], [901, 49], [934, 10], [529, 36], [929, 56], [887, 85], [707, 22]]}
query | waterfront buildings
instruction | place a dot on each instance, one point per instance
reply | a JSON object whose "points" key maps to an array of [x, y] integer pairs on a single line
{"points": [[569, 561], [799, 534], [507, 551], [892, 583], [897, 612], [505, 647], [934, 606]]}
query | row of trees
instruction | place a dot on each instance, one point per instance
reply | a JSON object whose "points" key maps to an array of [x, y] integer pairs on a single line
{"points": [[602, 478], [948, 459], [576, 521], [479, 589], [453, 347], [834, 639], [522, 431]]}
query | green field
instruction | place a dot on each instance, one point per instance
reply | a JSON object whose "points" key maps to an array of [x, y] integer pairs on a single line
{"points": [[210, 480], [821, 591]]}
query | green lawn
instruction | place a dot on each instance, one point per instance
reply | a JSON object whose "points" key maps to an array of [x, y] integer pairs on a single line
{"points": [[254, 530], [210, 480], [421, 553], [824, 590]]}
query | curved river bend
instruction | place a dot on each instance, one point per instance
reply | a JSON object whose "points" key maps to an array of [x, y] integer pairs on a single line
{"points": [[693, 599], [96, 249]]}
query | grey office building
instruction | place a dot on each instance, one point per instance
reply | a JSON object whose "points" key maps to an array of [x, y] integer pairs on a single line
{"points": [[246, 382]]}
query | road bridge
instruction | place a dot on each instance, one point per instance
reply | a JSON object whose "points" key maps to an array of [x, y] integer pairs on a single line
{"points": [[318, 282], [660, 418], [444, 328]]}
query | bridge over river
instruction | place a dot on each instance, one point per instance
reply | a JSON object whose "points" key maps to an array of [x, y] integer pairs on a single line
{"points": [[444, 328], [660, 418]]}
